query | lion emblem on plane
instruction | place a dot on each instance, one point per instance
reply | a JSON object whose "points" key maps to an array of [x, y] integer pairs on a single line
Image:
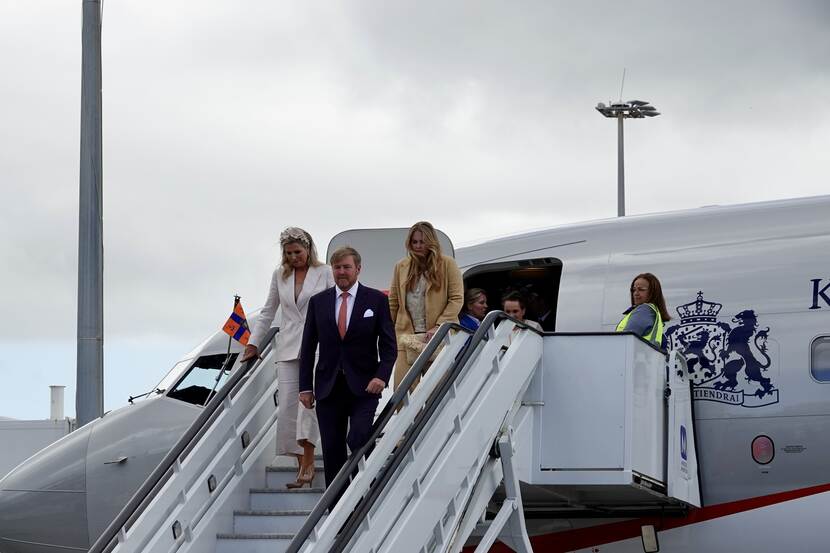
{"points": [[727, 363]]}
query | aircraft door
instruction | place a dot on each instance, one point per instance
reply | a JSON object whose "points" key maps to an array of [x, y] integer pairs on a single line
{"points": [[536, 280], [379, 250]]}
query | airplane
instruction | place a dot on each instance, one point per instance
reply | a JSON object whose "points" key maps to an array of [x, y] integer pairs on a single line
{"points": [[750, 290]]}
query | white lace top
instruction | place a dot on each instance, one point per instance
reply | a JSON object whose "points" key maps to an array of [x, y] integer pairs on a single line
{"points": [[416, 305]]}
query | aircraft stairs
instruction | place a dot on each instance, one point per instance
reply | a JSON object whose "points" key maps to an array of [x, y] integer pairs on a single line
{"points": [[274, 514], [506, 424]]}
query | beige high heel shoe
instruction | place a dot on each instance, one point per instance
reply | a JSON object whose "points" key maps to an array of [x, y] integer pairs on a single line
{"points": [[306, 476]]}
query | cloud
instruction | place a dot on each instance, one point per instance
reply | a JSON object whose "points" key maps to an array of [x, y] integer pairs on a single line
{"points": [[225, 122]]}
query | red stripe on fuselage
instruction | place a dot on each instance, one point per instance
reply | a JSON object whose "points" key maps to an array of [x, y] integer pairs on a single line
{"points": [[569, 540]]}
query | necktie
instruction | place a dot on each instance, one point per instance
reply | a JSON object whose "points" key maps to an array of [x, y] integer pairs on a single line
{"points": [[341, 315]]}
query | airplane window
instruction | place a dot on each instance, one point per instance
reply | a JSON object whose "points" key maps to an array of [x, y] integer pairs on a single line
{"points": [[172, 375], [197, 385], [820, 359]]}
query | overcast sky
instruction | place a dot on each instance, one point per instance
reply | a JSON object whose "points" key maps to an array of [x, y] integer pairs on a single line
{"points": [[226, 121]]}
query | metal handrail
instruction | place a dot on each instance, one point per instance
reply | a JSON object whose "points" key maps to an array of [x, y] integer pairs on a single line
{"points": [[417, 370], [362, 509], [154, 482], [341, 481], [649, 343]]}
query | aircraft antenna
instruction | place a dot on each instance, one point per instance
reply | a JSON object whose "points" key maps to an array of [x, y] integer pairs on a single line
{"points": [[622, 84]]}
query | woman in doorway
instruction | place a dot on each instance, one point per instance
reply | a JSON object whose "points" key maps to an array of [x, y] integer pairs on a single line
{"points": [[648, 312], [514, 304], [299, 276], [426, 290], [474, 310]]}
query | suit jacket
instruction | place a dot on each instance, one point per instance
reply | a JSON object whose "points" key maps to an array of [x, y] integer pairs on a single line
{"points": [[367, 351], [443, 302], [547, 322], [281, 293]]}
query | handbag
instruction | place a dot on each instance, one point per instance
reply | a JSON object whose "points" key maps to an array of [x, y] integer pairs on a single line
{"points": [[413, 345]]}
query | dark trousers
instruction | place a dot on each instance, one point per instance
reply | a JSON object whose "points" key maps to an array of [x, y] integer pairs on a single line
{"points": [[344, 419]]}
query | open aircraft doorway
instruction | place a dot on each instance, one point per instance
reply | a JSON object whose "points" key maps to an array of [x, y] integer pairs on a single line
{"points": [[536, 279]]}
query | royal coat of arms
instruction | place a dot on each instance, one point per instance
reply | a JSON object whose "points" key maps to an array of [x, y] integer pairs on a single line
{"points": [[727, 363]]}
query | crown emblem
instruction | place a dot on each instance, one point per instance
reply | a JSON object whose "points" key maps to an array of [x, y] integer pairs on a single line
{"points": [[699, 311]]}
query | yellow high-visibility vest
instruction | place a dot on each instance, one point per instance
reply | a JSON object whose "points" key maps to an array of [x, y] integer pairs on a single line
{"points": [[655, 336]]}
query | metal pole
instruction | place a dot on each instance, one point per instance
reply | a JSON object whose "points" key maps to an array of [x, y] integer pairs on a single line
{"points": [[225, 366], [620, 168], [89, 396]]}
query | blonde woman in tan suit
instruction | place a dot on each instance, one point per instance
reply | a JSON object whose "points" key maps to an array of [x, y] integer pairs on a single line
{"points": [[299, 276], [426, 290]]}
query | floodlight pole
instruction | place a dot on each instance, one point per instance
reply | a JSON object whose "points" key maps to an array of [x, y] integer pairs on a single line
{"points": [[89, 393], [620, 168], [635, 109]]}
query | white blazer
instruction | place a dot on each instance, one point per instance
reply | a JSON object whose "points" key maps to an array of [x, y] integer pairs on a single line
{"points": [[293, 313]]}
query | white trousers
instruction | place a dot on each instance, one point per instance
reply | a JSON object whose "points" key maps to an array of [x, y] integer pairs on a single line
{"points": [[294, 422]]}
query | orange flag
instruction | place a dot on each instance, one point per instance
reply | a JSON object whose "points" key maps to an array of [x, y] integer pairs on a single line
{"points": [[237, 325]]}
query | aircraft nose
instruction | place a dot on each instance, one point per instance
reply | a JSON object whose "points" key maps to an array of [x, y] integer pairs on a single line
{"points": [[43, 501]]}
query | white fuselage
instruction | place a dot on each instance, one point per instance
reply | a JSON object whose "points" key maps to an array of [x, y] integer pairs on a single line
{"points": [[746, 288]]}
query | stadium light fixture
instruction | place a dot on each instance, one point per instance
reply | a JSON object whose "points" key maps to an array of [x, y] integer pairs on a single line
{"points": [[633, 109]]}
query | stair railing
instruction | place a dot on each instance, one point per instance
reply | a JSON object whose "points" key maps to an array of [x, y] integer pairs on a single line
{"points": [[399, 400], [144, 495]]}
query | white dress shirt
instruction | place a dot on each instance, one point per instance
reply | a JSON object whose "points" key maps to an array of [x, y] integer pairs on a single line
{"points": [[349, 306]]}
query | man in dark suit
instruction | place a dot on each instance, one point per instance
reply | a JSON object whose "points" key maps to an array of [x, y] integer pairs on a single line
{"points": [[544, 314], [353, 327]]}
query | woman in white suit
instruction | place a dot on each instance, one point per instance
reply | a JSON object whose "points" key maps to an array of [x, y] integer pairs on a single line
{"points": [[299, 276]]}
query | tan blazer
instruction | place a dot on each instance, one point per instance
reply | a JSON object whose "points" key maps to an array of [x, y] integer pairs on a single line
{"points": [[293, 313], [442, 302]]}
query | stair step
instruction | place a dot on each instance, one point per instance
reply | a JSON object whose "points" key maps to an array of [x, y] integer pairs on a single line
{"points": [[291, 461], [266, 499], [267, 522], [277, 477], [253, 543]]}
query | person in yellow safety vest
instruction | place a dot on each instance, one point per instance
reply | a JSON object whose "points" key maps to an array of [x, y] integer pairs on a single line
{"points": [[648, 310]]}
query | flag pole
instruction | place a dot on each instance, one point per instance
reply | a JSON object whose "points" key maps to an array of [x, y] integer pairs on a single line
{"points": [[230, 338], [227, 358]]}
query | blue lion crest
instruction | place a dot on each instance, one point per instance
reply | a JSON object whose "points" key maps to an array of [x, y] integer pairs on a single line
{"points": [[727, 363]]}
